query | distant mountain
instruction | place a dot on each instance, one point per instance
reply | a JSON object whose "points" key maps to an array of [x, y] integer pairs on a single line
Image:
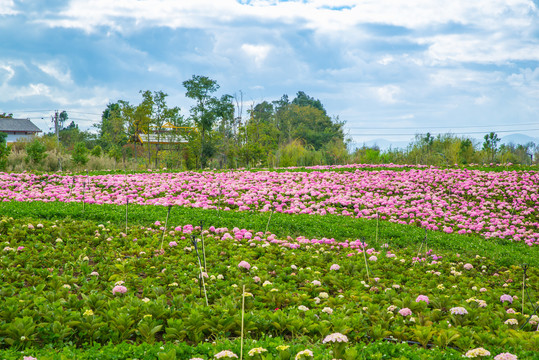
{"points": [[518, 139]]}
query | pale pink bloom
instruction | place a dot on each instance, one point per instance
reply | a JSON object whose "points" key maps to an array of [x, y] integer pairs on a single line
{"points": [[422, 298], [405, 312], [244, 264], [334, 267], [120, 289], [505, 356], [458, 311]]}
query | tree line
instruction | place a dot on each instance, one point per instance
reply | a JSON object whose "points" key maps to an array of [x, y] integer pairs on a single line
{"points": [[218, 133]]}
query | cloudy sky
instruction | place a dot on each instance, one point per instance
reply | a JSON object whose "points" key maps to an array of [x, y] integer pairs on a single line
{"points": [[389, 68]]}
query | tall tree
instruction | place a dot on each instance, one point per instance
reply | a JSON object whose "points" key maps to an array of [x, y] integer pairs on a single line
{"points": [[200, 89], [490, 145], [303, 99], [112, 127]]}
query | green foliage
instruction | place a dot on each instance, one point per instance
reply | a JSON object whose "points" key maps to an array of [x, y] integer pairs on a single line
{"points": [[97, 151], [4, 150], [490, 145], [115, 152], [56, 299], [80, 154], [35, 151]]}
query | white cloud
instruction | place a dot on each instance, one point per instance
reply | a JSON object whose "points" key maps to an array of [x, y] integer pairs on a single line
{"points": [[388, 93], [7, 7], [388, 59], [483, 99], [257, 52], [6, 73], [55, 70]]}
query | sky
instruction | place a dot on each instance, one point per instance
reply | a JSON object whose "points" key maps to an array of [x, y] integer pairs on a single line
{"points": [[388, 68]]}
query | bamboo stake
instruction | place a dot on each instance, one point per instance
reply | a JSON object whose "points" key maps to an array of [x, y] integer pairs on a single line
{"points": [[194, 243], [166, 224], [242, 321], [126, 200], [377, 224], [126, 212], [365, 257], [267, 225], [219, 203], [203, 246], [523, 286]]}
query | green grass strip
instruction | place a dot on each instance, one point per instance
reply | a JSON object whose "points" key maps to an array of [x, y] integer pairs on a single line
{"points": [[503, 251]]}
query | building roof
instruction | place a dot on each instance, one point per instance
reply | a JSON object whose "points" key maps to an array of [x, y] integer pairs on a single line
{"points": [[9, 124], [162, 139]]}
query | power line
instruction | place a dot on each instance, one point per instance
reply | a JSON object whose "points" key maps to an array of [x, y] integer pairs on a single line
{"points": [[436, 127], [452, 133]]}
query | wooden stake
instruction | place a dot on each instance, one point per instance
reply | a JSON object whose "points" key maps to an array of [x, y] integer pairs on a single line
{"points": [[242, 320]]}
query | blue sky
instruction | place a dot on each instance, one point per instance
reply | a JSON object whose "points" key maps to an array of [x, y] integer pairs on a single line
{"points": [[389, 68]]}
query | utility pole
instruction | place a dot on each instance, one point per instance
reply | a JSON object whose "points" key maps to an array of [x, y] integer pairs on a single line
{"points": [[57, 131]]}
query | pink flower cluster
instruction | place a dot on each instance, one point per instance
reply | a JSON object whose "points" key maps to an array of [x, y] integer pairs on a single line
{"points": [[493, 204], [507, 298], [244, 264], [422, 298], [405, 312], [119, 289]]}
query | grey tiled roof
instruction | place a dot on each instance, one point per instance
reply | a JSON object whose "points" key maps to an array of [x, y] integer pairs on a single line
{"points": [[18, 125]]}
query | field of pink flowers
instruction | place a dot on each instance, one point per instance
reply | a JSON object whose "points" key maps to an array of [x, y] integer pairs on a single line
{"points": [[492, 204]]}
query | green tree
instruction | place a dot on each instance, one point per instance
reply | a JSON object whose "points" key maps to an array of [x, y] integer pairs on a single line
{"points": [[303, 99], [62, 119], [35, 152], [97, 151], [80, 154], [154, 113], [490, 145], [466, 151], [4, 150], [310, 125], [200, 89], [112, 127]]}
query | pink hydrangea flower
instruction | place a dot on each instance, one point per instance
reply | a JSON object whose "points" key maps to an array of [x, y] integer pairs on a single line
{"points": [[468, 266], [505, 356], [244, 264], [405, 312], [458, 311], [422, 298], [119, 289], [172, 244], [335, 267], [505, 298]]}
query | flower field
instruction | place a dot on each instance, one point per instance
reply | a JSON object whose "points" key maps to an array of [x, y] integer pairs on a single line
{"points": [[82, 284], [502, 205], [406, 263]]}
